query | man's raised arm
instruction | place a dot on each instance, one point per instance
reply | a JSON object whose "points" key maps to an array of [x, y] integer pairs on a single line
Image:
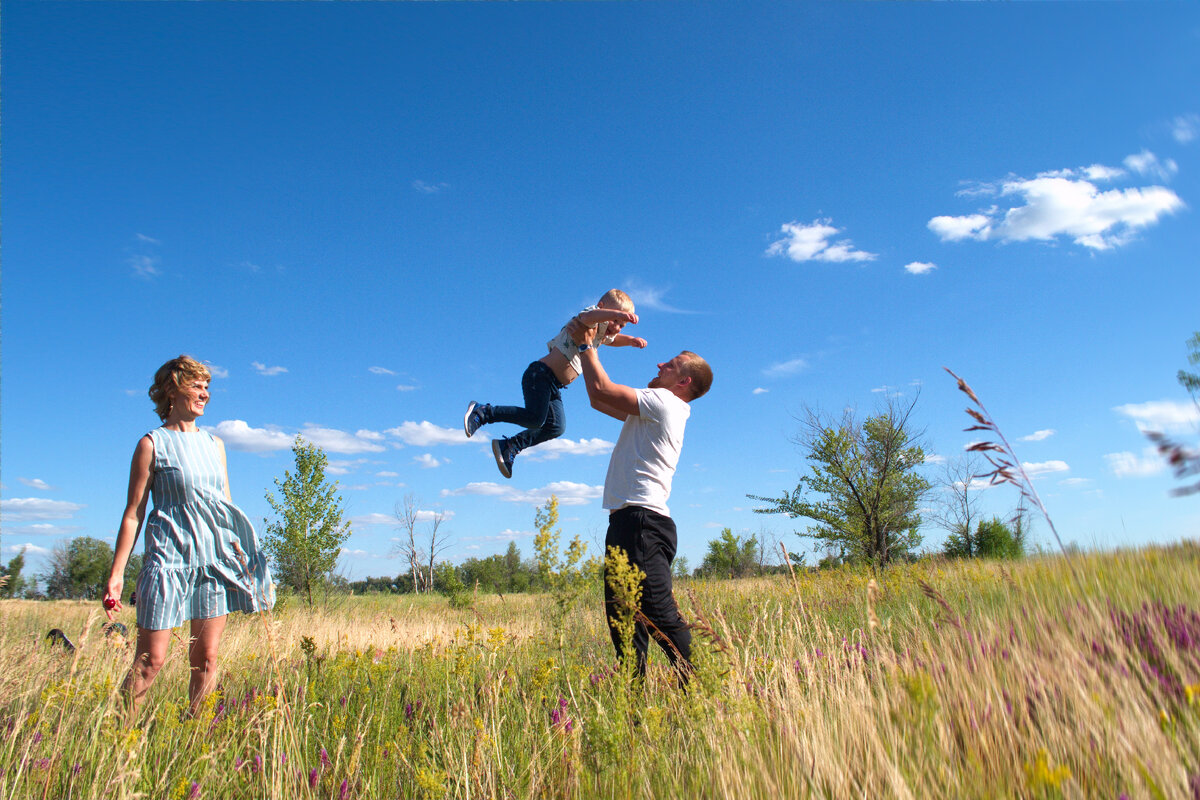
{"points": [[614, 399]]}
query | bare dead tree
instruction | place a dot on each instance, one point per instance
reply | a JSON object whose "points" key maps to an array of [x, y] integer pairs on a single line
{"points": [[407, 516], [439, 542], [956, 508]]}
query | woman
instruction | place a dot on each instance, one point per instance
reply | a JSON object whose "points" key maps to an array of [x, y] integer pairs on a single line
{"points": [[202, 557]]}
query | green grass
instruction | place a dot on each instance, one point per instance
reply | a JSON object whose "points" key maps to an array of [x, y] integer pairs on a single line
{"points": [[997, 680]]}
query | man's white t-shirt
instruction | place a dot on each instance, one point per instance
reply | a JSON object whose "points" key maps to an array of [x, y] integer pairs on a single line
{"points": [[647, 452]]}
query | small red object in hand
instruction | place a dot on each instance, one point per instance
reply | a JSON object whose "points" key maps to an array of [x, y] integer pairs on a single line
{"points": [[110, 603]]}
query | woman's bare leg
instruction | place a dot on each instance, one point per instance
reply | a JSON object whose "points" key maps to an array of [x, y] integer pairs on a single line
{"points": [[202, 655], [147, 661]]}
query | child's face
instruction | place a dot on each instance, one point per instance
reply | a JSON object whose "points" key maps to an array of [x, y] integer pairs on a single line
{"points": [[615, 326]]}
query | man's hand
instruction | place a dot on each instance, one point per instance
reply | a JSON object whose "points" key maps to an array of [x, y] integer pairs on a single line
{"points": [[581, 333]]}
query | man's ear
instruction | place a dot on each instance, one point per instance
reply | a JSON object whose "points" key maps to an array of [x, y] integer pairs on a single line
{"points": [[685, 382]]}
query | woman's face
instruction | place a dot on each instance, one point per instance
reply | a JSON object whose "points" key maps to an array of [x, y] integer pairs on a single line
{"points": [[191, 398]]}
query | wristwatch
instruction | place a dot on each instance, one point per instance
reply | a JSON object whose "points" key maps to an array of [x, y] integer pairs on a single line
{"points": [[584, 347]]}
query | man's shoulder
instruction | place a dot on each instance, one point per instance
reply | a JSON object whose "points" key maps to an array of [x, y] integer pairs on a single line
{"points": [[661, 403]]}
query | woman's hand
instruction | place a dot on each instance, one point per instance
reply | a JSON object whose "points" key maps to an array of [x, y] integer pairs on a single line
{"points": [[112, 596]]}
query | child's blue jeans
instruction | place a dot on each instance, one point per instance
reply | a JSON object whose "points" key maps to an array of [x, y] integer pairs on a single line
{"points": [[542, 417]]}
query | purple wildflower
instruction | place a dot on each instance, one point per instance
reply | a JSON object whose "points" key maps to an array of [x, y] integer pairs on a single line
{"points": [[194, 794], [344, 792], [76, 768], [256, 767], [312, 777], [37, 737], [342, 700], [324, 759]]}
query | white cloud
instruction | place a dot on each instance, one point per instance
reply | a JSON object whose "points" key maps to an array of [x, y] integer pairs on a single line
{"points": [[1146, 163], [263, 369], [548, 451], [406, 387], [1099, 172], [813, 242], [29, 547], [141, 237], [332, 440], [1038, 436], [36, 483], [218, 372], [568, 493], [427, 461], [1164, 416], [651, 298], [1129, 465], [919, 267], [785, 368], [426, 434], [387, 474], [238, 435], [380, 371], [934, 458], [347, 552], [1185, 129], [1075, 482], [1065, 204], [22, 509], [760, 390], [1036, 469]]}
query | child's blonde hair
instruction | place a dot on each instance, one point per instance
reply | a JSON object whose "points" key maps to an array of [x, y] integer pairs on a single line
{"points": [[617, 298]]}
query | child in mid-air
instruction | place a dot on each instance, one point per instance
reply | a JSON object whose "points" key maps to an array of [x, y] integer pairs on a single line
{"points": [[542, 417]]}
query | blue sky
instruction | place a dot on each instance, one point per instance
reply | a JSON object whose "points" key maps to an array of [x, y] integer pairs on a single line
{"points": [[365, 215]]}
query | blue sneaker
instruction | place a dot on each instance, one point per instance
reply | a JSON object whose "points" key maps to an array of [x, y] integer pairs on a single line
{"points": [[475, 418], [504, 456]]}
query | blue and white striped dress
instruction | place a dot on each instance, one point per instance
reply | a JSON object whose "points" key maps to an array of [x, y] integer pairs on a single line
{"points": [[202, 556]]}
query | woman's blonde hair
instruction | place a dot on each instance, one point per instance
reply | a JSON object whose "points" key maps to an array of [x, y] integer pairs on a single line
{"points": [[171, 377]]}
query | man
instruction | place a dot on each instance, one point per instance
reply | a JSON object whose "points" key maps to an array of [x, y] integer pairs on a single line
{"points": [[638, 484]]}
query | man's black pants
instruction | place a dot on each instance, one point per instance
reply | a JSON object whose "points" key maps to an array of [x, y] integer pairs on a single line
{"points": [[649, 540]]}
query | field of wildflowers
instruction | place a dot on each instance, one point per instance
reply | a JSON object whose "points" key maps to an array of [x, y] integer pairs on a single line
{"points": [[935, 679]]}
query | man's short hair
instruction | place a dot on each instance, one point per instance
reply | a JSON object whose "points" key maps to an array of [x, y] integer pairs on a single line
{"points": [[699, 371]]}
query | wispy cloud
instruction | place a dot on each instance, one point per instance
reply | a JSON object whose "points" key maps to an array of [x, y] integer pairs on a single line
{"points": [[23, 509], [36, 483], [784, 368], [919, 267], [406, 387], [344, 466], [1164, 416], [380, 371], [430, 188], [46, 529], [1130, 465], [1073, 482], [815, 242], [144, 266], [1067, 203], [263, 369], [568, 493], [427, 461], [1038, 436], [1185, 129], [759, 390], [1147, 164], [650, 298], [426, 434], [29, 547], [218, 372]]}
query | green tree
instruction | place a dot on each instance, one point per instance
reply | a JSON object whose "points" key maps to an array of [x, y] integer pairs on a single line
{"points": [[730, 556], [864, 491], [565, 577], [305, 541], [13, 584], [78, 568]]}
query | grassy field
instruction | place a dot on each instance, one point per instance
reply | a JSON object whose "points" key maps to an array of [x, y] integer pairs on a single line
{"points": [[943, 679]]}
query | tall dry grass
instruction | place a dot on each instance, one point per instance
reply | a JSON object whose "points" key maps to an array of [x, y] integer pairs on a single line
{"points": [[935, 679]]}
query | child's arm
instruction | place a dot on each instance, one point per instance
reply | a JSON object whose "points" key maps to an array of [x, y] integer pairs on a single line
{"points": [[624, 340], [591, 319]]}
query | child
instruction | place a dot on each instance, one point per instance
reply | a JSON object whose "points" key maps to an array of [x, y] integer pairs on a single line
{"points": [[542, 417]]}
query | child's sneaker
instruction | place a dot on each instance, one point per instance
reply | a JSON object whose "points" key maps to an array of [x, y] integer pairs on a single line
{"points": [[475, 418], [504, 456]]}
